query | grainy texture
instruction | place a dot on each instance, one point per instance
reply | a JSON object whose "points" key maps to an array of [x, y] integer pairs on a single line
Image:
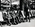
{"points": [[17, 13]]}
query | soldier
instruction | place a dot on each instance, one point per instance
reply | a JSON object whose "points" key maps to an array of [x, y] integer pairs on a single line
{"points": [[26, 10]]}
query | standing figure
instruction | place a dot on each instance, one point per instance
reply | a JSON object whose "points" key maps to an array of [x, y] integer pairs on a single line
{"points": [[26, 10]]}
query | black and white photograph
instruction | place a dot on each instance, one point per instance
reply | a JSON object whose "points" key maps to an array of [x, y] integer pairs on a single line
{"points": [[17, 13]]}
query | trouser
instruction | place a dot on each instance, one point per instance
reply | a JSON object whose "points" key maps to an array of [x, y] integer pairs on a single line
{"points": [[5, 19], [27, 14]]}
